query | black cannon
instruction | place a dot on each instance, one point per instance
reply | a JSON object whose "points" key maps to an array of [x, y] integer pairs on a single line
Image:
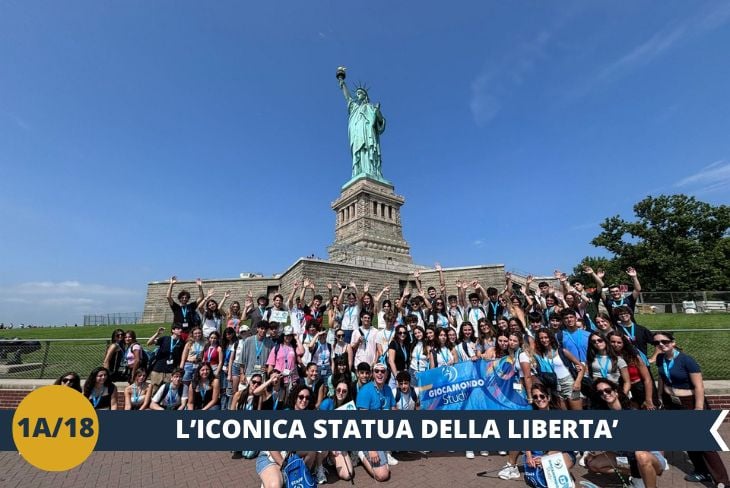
{"points": [[10, 351]]}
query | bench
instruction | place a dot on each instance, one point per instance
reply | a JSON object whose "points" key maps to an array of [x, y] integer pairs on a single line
{"points": [[712, 306]]}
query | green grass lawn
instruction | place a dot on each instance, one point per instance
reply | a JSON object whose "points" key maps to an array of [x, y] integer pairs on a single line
{"points": [[710, 348]]}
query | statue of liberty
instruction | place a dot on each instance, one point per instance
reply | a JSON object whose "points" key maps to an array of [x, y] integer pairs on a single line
{"points": [[364, 127]]}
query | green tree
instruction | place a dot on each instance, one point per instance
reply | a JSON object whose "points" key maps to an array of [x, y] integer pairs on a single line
{"points": [[676, 243]]}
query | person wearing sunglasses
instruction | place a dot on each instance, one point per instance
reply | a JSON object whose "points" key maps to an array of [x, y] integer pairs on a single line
{"points": [[341, 372], [342, 395], [341, 349], [271, 392], [534, 473], [682, 388], [376, 395], [399, 351], [244, 399], [642, 384], [603, 362], [647, 465], [70, 379], [301, 398], [114, 357]]}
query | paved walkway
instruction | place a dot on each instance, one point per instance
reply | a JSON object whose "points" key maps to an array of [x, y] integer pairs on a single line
{"points": [[203, 469]]}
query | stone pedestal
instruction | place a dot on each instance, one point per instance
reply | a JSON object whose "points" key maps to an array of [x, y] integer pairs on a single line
{"points": [[368, 225]]}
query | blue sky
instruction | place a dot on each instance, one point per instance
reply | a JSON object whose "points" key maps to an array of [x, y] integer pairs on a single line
{"points": [[144, 139]]}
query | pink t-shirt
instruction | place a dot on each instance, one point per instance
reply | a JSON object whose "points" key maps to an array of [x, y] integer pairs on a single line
{"points": [[284, 359], [129, 352]]}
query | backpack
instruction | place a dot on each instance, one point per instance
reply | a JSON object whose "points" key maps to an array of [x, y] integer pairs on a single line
{"points": [[399, 395], [535, 477], [296, 474]]}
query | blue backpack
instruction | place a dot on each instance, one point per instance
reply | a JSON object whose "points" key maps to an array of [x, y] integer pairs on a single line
{"points": [[296, 474], [535, 477]]}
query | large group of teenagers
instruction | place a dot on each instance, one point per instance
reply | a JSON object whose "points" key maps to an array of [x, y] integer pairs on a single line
{"points": [[571, 347]]}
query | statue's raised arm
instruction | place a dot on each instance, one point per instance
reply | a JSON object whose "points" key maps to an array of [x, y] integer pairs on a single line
{"points": [[365, 125]]}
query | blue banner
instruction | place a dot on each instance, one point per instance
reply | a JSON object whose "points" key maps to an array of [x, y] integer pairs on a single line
{"points": [[472, 385]]}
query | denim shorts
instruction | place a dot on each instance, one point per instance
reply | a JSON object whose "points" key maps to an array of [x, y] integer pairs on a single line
{"points": [[235, 369], [662, 460], [383, 459], [262, 462], [190, 369]]}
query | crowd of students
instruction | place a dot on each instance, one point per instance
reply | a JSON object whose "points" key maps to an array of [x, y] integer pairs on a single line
{"points": [[573, 348]]}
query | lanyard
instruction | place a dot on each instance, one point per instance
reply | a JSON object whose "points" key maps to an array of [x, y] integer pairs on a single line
{"points": [[476, 315], [135, 394], [203, 390], [197, 348], [667, 366], [210, 352], [617, 304], [171, 399], [184, 311], [365, 337], [259, 346], [495, 307], [96, 399], [173, 344], [276, 399], [389, 337], [445, 357], [404, 351], [548, 311], [380, 397], [404, 405], [603, 363], [546, 363], [516, 360], [632, 333]]}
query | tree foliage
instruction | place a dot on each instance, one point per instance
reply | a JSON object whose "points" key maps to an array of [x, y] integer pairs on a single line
{"points": [[676, 242]]}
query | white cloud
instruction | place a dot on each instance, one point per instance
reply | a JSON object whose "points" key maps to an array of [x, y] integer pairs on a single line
{"points": [[51, 303], [660, 42], [498, 80], [478, 243], [713, 177]]}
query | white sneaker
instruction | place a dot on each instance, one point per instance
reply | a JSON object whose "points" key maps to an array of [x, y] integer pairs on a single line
{"points": [[509, 472], [582, 458], [361, 455], [391, 460], [470, 454], [484, 453], [321, 475], [502, 453]]}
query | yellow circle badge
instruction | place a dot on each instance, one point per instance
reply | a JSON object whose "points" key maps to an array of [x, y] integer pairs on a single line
{"points": [[55, 428]]}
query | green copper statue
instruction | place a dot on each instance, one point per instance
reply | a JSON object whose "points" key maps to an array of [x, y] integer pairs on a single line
{"points": [[364, 127]]}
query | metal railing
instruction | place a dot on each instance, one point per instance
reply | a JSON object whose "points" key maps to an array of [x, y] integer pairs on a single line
{"points": [[672, 301], [46, 359], [114, 318]]}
